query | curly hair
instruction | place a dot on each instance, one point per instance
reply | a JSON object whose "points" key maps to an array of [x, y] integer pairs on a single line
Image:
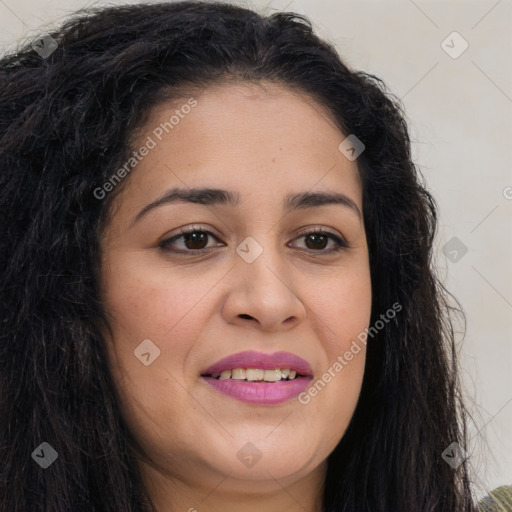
{"points": [[66, 124]]}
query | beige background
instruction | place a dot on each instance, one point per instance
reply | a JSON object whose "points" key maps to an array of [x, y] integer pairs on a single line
{"points": [[460, 115]]}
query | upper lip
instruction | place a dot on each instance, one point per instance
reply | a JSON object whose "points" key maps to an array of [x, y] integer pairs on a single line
{"points": [[260, 360]]}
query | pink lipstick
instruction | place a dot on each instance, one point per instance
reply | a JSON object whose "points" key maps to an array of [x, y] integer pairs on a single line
{"points": [[259, 378]]}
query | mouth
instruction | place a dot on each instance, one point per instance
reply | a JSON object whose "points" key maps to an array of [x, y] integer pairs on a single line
{"points": [[249, 365], [258, 375], [258, 378]]}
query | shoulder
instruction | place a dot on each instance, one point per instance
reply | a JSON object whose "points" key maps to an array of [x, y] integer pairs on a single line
{"points": [[498, 500]]}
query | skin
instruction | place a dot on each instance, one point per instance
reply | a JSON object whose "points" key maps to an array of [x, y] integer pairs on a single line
{"points": [[263, 141]]}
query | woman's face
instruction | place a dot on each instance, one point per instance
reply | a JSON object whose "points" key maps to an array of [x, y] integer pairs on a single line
{"points": [[260, 282]]}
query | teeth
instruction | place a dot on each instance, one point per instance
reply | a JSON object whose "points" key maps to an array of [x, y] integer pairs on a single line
{"points": [[252, 374], [255, 374], [272, 375], [238, 373]]}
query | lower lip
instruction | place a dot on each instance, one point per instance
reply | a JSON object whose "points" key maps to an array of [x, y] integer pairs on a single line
{"points": [[260, 393]]}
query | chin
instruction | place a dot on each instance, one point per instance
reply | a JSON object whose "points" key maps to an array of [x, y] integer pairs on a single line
{"points": [[263, 460]]}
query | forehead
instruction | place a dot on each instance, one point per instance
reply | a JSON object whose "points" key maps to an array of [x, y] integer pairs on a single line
{"points": [[263, 139]]}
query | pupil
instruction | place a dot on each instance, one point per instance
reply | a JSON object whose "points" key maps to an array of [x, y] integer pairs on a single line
{"points": [[195, 237], [316, 237]]}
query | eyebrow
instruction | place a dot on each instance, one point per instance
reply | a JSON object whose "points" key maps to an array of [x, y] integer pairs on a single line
{"points": [[221, 197]]}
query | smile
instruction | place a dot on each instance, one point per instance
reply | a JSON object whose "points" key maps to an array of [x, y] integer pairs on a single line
{"points": [[258, 375], [259, 392], [259, 378]]}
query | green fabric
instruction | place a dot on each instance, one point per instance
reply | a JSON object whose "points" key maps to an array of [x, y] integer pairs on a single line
{"points": [[499, 500]]}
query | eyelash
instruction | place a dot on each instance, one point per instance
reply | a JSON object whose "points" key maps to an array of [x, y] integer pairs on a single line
{"points": [[164, 244]]}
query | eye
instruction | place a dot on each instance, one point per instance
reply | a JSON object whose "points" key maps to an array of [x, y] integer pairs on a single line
{"points": [[317, 239], [195, 239]]}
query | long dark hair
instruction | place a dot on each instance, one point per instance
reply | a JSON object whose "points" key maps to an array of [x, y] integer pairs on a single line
{"points": [[66, 122]]}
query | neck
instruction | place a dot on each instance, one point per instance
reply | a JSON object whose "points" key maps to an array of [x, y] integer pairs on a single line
{"points": [[226, 493]]}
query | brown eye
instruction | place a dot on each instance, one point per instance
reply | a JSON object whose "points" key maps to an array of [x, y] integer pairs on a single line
{"points": [[318, 240], [195, 240], [192, 240]]}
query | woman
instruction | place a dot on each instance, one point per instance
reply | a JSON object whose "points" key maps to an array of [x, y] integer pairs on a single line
{"points": [[303, 359]]}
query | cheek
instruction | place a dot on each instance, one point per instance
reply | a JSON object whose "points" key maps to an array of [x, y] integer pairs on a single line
{"points": [[344, 310], [148, 302], [144, 307]]}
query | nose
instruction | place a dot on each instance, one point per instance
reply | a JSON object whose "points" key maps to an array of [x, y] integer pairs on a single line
{"points": [[262, 291]]}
